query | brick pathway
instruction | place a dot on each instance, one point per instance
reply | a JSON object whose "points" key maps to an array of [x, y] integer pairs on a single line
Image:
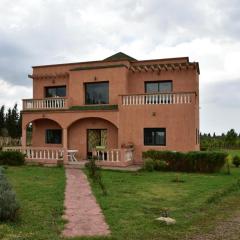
{"points": [[82, 212]]}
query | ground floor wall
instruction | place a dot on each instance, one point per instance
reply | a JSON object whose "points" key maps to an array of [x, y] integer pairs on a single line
{"points": [[123, 127], [178, 120]]}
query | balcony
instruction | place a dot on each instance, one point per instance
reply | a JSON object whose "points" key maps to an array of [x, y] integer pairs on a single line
{"points": [[45, 104], [125, 100], [158, 98]]}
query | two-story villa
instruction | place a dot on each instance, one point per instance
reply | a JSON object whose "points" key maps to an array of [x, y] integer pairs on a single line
{"points": [[115, 108]]}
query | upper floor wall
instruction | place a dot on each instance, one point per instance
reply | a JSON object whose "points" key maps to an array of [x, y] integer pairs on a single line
{"points": [[125, 76]]}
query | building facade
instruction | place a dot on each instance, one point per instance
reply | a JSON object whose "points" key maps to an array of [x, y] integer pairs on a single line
{"points": [[114, 108]]}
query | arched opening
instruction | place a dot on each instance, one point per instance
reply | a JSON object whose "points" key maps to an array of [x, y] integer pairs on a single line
{"points": [[86, 134], [44, 132]]}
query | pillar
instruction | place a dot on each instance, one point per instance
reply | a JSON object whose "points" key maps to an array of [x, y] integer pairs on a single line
{"points": [[24, 136], [65, 145]]}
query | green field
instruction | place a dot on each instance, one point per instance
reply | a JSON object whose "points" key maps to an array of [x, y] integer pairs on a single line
{"points": [[133, 202]]}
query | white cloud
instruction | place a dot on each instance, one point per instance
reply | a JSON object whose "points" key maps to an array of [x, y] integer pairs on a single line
{"points": [[11, 94], [56, 31]]}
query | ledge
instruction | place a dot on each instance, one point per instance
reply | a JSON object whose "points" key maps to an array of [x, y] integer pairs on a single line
{"points": [[95, 107], [98, 67]]}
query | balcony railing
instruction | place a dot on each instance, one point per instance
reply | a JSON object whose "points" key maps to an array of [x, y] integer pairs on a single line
{"points": [[158, 98], [46, 103]]}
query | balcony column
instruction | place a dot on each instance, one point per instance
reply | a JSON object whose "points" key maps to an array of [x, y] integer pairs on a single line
{"points": [[24, 137], [65, 145]]}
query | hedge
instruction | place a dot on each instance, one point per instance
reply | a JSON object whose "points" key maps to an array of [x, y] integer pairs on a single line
{"points": [[197, 161], [12, 158], [9, 206]]}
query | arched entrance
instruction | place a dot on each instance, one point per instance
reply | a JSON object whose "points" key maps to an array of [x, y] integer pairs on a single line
{"points": [[43, 132], [88, 133]]}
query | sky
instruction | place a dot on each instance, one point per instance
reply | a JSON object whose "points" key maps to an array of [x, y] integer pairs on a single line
{"points": [[58, 31]]}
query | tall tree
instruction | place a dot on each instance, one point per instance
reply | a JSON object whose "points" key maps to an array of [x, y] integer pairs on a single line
{"points": [[231, 138], [2, 118]]}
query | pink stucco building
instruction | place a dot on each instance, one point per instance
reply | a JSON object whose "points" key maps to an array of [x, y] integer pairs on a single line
{"points": [[114, 108]]}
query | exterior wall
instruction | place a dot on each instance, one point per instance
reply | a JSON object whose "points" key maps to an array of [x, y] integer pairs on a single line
{"points": [[127, 123], [183, 81], [76, 79], [39, 86], [39, 130], [117, 78], [177, 119], [77, 134]]}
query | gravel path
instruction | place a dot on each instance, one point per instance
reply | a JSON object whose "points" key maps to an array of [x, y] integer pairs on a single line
{"points": [[228, 229], [82, 212]]}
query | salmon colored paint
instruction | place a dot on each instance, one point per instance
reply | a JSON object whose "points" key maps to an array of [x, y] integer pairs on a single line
{"points": [[176, 111]]}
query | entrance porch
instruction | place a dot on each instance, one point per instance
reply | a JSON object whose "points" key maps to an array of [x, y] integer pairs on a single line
{"points": [[45, 141]]}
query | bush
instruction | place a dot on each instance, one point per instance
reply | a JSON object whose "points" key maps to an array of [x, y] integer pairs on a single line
{"points": [[94, 173], [198, 161], [8, 204], [149, 164], [236, 161], [12, 158], [160, 165]]}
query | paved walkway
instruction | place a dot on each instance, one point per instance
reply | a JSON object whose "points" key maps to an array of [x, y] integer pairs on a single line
{"points": [[82, 212]]}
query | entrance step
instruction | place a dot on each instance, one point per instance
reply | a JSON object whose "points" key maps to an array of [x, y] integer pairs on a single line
{"points": [[79, 165]]}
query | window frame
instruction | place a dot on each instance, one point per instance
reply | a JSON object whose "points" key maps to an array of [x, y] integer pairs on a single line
{"points": [[157, 81], [85, 92], [52, 87], [53, 129], [155, 130]]}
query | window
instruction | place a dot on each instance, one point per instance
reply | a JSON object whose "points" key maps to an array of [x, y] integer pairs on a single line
{"points": [[59, 91], [155, 136], [53, 136], [97, 93], [158, 86]]}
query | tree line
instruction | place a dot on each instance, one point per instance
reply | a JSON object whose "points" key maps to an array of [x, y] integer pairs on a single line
{"points": [[231, 140], [10, 122]]}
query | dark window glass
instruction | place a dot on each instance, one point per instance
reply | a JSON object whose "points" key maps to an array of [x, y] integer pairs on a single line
{"points": [[54, 136], [158, 86], [59, 91], [97, 93], [155, 136]]}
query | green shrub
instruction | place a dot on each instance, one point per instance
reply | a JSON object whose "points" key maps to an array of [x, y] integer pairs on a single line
{"points": [[94, 173], [149, 164], [8, 204], [236, 161], [160, 165], [12, 158], [197, 161]]}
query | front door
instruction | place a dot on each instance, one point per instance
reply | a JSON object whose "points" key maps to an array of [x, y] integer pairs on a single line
{"points": [[96, 137]]}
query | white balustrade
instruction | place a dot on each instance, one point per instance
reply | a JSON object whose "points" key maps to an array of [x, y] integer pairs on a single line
{"points": [[114, 155], [108, 155], [38, 153], [47, 103], [158, 98]]}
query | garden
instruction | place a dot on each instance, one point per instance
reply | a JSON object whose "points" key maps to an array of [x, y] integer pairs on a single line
{"points": [[133, 201]]}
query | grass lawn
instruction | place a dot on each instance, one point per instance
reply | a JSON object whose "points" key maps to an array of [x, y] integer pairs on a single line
{"points": [[133, 202], [40, 192]]}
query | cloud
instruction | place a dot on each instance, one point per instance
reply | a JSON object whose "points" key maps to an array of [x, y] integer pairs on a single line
{"points": [[11, 94], [56, 31]]}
